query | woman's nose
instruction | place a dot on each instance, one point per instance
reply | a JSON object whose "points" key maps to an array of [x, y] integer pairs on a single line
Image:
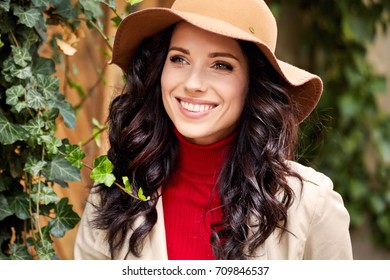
{"points": [[196, 81]]}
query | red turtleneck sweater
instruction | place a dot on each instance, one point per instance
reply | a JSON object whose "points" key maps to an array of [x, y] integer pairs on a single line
{"points": [[189, 202]]}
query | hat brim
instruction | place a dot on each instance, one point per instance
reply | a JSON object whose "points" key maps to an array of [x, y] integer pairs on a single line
{"points": [[304, 88]]}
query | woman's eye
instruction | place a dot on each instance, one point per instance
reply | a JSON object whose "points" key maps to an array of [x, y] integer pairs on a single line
{"points": [[177, 59], [223, 66]]}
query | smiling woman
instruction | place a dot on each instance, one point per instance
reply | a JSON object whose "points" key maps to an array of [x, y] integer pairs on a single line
{"points": [[206, 125]]}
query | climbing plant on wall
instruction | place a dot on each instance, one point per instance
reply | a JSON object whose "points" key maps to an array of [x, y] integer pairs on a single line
{"points": [[32, 158], [348, 136]]}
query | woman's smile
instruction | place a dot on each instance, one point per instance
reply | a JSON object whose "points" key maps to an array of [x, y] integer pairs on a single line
{"points": [[197, 108]]}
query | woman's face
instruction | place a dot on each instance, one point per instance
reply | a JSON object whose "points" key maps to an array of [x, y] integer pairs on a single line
{"points": [[204, 84]]}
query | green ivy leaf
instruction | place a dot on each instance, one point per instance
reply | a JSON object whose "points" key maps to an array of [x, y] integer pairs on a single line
{"points": [[4, 5], [66, 111], [13, 94], [48, 85], [41, 3], [9, 132], [65, 219], [35, 100], [91, 9], [21, 56], [96, 123], [34, 126], [19, 252], [96, 132], [127, 184], [61, 169], [112, 4], [43, 194], [51, 114], [43, 244], [78, 87], [19, 204], [45, 67], [116, 20], [102, 172], [96, 136], [8, 64], [141, 195], [20, 106], [44, 234], [134, 2], [23, 73], [52, 143], [34, 166], [75, 155], [45, 250], [29, 36], [46, 210], [29, 17], [5, 211], [1, 43], [9, 69], [65, 9]]}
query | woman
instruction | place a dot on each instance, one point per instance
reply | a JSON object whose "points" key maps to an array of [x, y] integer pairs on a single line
{"points": [[206, 126]]}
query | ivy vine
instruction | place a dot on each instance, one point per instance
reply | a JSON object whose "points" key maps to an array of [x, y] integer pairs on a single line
{"points": [[33, 158]]}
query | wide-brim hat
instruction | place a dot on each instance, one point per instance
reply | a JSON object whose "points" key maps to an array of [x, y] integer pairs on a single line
{"points": [[247, 20]]}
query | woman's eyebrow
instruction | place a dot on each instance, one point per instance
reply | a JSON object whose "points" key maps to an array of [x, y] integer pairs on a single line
{"points": [[183, 50], [223, 54]]}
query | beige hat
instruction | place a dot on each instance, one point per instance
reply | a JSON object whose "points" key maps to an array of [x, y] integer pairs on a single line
{"points": [[248, 20]]}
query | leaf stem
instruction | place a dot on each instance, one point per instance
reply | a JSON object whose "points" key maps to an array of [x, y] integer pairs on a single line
{"points": [[114, 10], [38, 199], [14, 38], [37, 217], [84, 143], [126, 191], [100, 79], [88, 166], [97, 28]]}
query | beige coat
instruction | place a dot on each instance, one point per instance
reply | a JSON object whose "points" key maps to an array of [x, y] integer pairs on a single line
{"points": [[318, 220]]}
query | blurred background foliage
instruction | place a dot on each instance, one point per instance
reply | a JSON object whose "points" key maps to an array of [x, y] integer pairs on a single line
{"points": [[348, 135]]}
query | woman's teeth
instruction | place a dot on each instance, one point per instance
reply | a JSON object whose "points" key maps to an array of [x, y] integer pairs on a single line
{"points": [[196, 107]]}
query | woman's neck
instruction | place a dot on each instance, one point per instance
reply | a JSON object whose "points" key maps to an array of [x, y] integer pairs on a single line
{"points": [[202, 159]]}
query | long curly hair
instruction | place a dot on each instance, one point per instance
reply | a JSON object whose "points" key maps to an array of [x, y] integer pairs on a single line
{"points": [[143, 147]]}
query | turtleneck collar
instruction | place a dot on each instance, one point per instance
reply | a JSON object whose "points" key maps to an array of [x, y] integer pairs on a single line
{"points": [[202, 159]]}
